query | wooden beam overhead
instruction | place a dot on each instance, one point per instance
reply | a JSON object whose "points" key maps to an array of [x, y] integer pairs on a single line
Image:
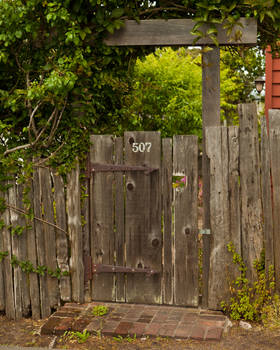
{"points": [[177, 32]]}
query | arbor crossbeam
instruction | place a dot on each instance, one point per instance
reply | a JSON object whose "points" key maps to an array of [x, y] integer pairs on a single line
{"points": [[177, 32]]}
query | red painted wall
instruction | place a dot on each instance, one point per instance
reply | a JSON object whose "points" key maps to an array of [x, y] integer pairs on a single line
{"points": [[272, 82]]}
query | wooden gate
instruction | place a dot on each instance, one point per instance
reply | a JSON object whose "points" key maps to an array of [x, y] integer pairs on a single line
{"points": [[143, 218]]}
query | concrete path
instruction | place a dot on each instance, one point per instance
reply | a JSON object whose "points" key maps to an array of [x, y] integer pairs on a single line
{"points": [[137, 320]]}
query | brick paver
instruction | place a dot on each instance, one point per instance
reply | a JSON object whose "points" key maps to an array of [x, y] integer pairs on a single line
{"points": [[138, 320]]}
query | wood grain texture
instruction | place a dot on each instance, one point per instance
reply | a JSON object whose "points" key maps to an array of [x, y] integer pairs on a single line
{"points": [[34, 288], [62, 238], [75, 233], [274, 136], [185, 161], [102, 216], [119, 221], [251, 220], [2, 280], [177, 32], [234, 189], [40, 243], [168, 237], [274, 118], [19, 249], [143, 219], [210, 117], [220, 259], [85, 212], [7, 267], [266, 196], [49, 233]]}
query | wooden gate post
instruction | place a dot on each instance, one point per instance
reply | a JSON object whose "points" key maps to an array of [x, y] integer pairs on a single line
{"points": [[210, 117]]}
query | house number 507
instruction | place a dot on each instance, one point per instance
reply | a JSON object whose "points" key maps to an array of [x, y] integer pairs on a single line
{"points": [[141, 146]]}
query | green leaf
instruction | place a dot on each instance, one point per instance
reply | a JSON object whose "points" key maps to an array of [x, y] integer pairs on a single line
{"points": [[118, 12], [18, 34], [110, 28]]}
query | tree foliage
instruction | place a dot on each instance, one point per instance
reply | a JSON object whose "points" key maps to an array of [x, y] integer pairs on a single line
{"points": [[166, 89], [166, 93], [59, 82]]}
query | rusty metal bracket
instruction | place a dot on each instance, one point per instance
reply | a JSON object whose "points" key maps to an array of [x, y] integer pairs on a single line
{"points": [[97, 167], [91, 269]]}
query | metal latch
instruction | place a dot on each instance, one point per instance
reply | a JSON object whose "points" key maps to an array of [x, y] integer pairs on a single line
{"points": [[91, 269], [97, 167], [205, 231]]}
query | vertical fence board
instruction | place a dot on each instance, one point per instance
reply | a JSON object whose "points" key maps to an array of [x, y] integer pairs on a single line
{"points": [[234, 196], [185, 161], [62, 245], [85, 212], [49, 233], [266, 197], [220, 259], [75, 233], [34, 289], [14, 217], [168, 238], [2, 281], [102, 216], [7, 267], [274, 136], [143, 218], [19, 244], [40, 244], [119, 221], [251, 220]]}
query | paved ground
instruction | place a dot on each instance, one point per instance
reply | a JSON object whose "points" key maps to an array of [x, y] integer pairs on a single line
{"points": [[137, 320]]}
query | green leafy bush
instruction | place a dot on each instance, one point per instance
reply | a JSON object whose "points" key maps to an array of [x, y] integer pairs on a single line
{"points": [[249, 301]]}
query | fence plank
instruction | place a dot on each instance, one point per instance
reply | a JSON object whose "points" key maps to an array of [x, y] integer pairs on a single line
{"points": [[251, 221], [2, 283], [119, 221], [40, 243], [14, 217], [34, 289], [62, 245], [234, 192], [7, 267], [75, 233], [185, 161], [143, 217], [168, 239], [19, 248], [102, 216], [85, 212], [274, 137], [49, 233], [266, 196], [220, 259]]}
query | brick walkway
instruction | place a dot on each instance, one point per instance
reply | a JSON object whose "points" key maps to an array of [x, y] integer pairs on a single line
{"points": [[139, 320]]}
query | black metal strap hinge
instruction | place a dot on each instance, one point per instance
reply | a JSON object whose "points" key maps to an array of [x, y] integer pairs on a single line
{"points": [[97, 167]]}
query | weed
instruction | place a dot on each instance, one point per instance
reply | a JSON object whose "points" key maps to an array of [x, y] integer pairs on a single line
{"points": [[271, 313], [80, 337], [249, 301], [100, 310], [128, 338]]}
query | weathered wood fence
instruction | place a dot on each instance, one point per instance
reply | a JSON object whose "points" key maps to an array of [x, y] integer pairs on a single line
{"points": [[143, 218]]}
